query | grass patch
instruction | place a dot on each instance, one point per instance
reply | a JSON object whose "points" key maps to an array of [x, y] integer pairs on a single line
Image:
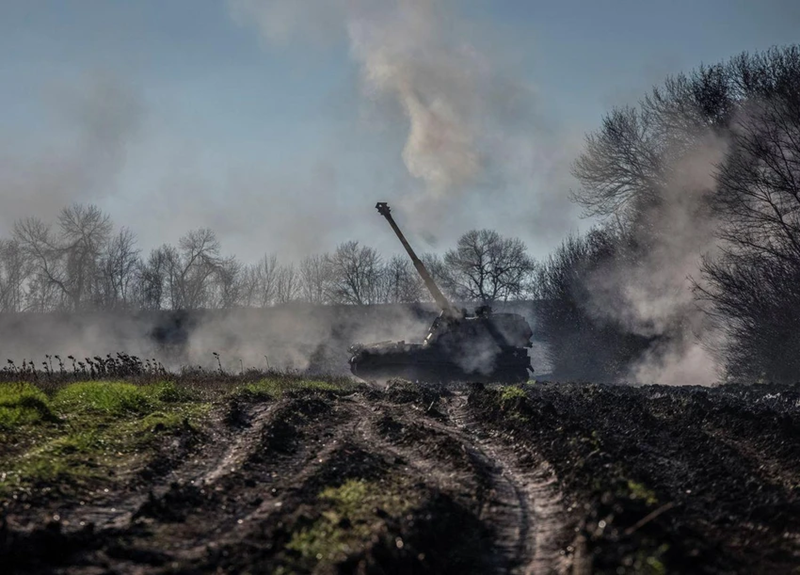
{"points": [[640, 491], [275, 388], [93, 432], [22, 404], [511, 397], [103, 430], [112, 398], [349, 522], [170, 392], [651, 561], [511, 393], [120, 399]]}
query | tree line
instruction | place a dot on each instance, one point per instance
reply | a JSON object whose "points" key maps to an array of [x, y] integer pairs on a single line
{"points": [[80, 262], [733, 231], [696, 191]]}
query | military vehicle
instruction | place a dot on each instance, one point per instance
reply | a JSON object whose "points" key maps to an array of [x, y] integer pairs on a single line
{"points": [[482, 347]]}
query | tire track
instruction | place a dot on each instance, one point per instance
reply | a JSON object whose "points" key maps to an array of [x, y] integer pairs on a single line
{"points": [[246, 475], [227, 449], [523, 508], [237, 500], [547, 536]]}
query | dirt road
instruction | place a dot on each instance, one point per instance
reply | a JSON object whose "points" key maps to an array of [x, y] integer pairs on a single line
{"points": [[533, 479]]}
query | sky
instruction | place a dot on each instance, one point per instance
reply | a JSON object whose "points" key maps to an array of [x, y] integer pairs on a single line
{"points": [[280, 123]]}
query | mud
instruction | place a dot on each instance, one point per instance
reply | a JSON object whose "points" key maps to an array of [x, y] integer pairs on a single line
{"points": [[545, 478]]}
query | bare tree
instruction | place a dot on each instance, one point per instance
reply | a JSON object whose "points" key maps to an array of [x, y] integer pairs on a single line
{"points": [[760, 181], [487, 267], [356, 273], [153, 278], [629, 162], [70, 259], [85, 230], [315, 278], [15, 271], [227, 284], [753, 283], [621, 165], [634, 175], [118, 268], [191, 269], [39, 246], [259, 282], [287, 285], [401, 282]]}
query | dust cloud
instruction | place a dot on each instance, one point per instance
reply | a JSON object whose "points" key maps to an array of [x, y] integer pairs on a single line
{"points": [[298, 337], [653, 295]]}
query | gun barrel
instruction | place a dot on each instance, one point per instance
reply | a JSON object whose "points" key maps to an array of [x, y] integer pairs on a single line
{"points": [[448, 308]]}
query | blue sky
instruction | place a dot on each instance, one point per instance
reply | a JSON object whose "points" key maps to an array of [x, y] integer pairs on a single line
{"points": [[203, 121]]}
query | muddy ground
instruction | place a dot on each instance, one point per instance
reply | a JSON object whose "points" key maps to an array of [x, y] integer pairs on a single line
{"points": [[543, 478]]}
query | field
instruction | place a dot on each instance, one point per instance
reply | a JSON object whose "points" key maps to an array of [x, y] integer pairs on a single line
{"points": [[275, 473]]}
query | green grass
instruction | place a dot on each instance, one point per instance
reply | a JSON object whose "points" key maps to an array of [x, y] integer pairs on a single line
{"points": [[85, 432], [116, 398], [511, 393], [510, 402], [650, 560], [275, 388], [22, 404], [640, 491], [88, 431], [349, 521]]}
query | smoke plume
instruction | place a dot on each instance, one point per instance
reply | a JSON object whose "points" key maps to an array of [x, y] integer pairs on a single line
{"points": [[471, 126], [652, 295]]}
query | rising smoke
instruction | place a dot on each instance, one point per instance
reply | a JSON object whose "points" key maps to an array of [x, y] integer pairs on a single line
{"points": [[472, 136], [472, 127], [652, 295]]}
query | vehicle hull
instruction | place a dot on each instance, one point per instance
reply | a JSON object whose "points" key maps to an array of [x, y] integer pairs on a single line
{"points": [[415, 362]]}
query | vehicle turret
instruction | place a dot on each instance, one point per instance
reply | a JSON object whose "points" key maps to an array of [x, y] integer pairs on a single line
{"points": [[484, 346]]}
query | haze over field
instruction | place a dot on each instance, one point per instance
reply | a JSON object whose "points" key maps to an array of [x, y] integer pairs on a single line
{"points": [[268, 129]]}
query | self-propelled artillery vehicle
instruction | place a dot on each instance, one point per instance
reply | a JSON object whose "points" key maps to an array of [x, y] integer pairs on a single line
{"points": [[484, 346]]}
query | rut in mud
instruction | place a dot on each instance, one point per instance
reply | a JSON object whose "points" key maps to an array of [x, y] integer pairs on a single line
{"points": [[428, 496], [533, 479]]}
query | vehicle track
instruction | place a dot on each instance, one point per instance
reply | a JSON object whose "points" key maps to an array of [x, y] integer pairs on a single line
{"points": [[222, 452], [549, 533], [234, 503], [523, 507], [680, 480]]}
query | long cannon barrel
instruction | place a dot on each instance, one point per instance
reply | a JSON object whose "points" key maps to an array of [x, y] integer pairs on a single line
{"points": [[448, 308]]}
